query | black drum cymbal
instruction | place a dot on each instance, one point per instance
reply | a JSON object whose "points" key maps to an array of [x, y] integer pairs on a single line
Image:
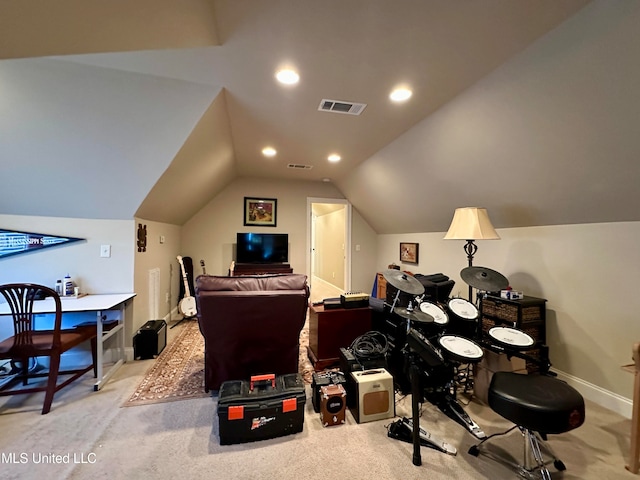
{"points": [[484, 278], [414, 315], [403, 282]]}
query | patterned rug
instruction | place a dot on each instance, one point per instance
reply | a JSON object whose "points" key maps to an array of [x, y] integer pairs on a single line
{"points": [[178, 372]]}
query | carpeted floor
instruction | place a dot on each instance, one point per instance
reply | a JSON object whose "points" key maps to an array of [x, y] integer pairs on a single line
{"points": [[178, 372], [169, 440]]}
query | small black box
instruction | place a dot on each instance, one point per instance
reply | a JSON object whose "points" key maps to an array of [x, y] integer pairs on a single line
{"points": [[150, 339], [267, 406]]}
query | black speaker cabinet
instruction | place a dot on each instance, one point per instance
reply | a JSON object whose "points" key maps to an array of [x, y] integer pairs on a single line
{"points": [[150, 339]]}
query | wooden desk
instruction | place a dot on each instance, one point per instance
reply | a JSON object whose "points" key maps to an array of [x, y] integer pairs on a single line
{"points": [[92, 303], [329, 330]]}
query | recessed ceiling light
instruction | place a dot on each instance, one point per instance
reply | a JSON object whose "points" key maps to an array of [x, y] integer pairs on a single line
{"points": [[400, 94], [287, 76], [326, 179], [334, 157], [269, 151]]}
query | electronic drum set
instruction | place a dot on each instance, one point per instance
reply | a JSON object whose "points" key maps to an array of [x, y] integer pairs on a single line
{"points": [[438, 345]]}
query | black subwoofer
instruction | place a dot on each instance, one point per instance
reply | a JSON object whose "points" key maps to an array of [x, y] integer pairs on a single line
{"points": [[150, 339]]}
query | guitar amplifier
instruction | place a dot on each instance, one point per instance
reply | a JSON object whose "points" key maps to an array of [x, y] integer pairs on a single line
{"points": [[375, 395], [354, 300], [332, 405], [323, 379], [150, 339]]}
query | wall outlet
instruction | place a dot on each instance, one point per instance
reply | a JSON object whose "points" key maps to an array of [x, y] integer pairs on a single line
{"points": [[166, 297], [105, 251]]}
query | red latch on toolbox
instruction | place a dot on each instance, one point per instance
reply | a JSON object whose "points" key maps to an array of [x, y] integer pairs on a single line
{"points": [[235, 412], [260, 378], [289, 405]]}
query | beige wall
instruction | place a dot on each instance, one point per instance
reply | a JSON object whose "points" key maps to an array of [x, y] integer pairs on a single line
{"points": [[211, 233], [163, 257], [81, 259], [587, 273], [92, 273], [330, 245]]}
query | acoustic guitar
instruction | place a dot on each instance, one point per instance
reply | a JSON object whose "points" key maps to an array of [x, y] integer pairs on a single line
{"points": [[187, 305]]}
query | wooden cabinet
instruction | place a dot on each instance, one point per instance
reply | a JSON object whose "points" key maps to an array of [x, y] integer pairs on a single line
{"points": [[260, 268], [331, 329], [381, 290], [527, 314]]}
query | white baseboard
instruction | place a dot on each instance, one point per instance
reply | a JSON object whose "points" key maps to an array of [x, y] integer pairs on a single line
{"points": [[602, 397]]}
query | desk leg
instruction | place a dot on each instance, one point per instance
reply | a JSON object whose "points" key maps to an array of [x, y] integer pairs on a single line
{"points": [[99, 352], [119, 330]]}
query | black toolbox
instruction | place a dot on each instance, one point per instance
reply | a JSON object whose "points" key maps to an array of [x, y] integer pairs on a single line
{"points": [[266, 406]]}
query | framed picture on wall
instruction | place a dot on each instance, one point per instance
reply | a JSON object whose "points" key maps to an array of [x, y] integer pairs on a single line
{"points": [[409, 252], [260, 212]]}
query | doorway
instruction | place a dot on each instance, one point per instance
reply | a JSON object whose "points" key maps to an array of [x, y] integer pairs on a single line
{"points": [[329, 244]]}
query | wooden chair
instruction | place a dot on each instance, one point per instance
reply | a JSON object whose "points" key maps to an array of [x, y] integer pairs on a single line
{"points": [[26, 342]]}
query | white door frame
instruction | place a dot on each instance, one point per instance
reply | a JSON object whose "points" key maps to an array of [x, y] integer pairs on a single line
{"points": [[347, 236]]}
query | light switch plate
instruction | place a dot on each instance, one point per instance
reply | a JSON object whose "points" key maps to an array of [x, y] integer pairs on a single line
{"points": [[105, 251]]}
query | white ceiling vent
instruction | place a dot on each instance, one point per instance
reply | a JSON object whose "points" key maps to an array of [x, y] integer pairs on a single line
{"points": [[338, 106], [299, 166]]}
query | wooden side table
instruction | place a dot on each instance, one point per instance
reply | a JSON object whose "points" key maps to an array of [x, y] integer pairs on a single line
{"points": [[329, 330]]}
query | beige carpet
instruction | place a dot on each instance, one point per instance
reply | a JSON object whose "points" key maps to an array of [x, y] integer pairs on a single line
{"points": [[170, 440], [178, 372]]}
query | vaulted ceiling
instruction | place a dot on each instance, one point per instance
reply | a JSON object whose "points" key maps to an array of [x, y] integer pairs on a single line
{"points": [[151, 107]]}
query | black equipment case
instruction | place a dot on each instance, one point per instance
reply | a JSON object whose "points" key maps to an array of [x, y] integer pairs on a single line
{"points": [[150, 339], [266, 406]]}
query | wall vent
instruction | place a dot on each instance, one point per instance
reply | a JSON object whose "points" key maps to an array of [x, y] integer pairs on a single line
{"points": [[299, 166], [338, 106]]}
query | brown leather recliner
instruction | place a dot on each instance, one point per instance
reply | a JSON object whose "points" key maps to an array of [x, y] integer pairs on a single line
{"points": [[251, 325]]}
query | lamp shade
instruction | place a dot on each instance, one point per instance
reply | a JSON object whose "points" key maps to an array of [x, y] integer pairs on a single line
{"points": [[471, 223]]}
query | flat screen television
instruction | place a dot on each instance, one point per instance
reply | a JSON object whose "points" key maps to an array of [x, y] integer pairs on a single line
{"points": [[262, 248]]}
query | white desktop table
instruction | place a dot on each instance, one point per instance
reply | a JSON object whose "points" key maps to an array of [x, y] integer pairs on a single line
{"points": [[92, 303]]}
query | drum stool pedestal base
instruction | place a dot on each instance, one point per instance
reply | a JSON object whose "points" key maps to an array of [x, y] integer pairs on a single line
{"points": [[533, 460], [538, 405]]}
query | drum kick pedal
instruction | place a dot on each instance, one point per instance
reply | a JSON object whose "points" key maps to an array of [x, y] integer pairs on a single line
{"points": [[452, 408], [402, 429]]}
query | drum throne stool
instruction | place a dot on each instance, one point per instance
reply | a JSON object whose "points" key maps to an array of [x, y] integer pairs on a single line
{"points": [[538, 405]]}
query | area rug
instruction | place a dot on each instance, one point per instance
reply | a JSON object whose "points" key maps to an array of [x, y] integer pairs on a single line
{"points": [[178, 372]]}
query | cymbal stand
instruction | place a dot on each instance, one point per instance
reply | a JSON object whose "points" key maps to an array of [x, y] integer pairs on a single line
{"points": [[410, 430], [395, 300], [416, 397]]}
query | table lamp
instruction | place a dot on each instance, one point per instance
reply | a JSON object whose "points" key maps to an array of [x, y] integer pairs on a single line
{"points": [[471, 223]]}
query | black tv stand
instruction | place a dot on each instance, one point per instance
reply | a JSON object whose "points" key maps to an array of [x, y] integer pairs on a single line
{"points": [[260, 268]]}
